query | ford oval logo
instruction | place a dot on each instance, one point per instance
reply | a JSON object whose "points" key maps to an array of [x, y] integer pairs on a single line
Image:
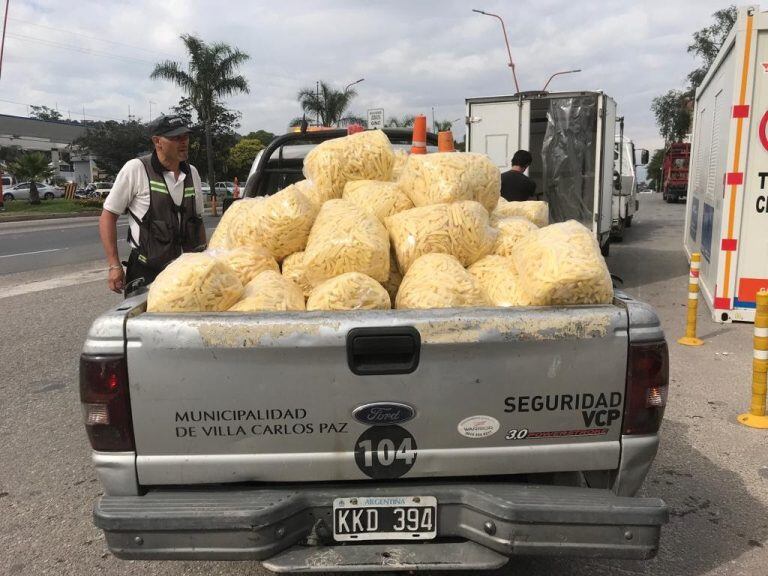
{"points": [[383, 413]]}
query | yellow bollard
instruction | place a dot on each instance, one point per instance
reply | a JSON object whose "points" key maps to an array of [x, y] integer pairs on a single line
{"points": [[756, 417], [693, 303]]}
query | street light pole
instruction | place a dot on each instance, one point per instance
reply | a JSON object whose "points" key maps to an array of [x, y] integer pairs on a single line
{"points": [[558, 74], [352, 84], [511, 64], [150, 109]]}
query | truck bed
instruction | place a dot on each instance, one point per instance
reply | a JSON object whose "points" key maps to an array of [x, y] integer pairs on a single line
{"points": [[230, 397]]}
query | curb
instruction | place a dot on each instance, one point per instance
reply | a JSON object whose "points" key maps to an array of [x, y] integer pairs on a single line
{"points": [[53, 216]]}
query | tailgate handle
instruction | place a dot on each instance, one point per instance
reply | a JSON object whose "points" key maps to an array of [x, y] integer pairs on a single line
{"points": [[385, 350]]}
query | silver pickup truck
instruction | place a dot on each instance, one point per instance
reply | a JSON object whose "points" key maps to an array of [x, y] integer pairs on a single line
{"points": [[376, 440]]}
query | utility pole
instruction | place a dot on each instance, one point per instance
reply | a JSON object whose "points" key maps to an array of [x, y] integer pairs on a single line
{"points": [[150, 109], [2, 43], [511, 63], [317, 115]]}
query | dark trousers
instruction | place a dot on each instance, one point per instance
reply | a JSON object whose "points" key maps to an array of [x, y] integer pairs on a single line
{"points": [[137, 275]]}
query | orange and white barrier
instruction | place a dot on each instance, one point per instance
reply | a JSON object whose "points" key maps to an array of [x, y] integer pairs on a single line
{"points": [[445, 141], [690, 338], [419, 142], [756, 417]]}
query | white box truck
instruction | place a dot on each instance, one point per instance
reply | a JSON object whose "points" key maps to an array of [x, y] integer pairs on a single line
{"points": [[727, 207], [571, 137], [625, 194]]}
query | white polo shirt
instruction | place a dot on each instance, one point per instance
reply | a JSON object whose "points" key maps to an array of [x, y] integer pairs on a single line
{"points": [[131, 191]]}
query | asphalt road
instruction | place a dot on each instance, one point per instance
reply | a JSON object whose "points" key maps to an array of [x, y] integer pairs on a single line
{"points": [[40, 244], [712, 472]]}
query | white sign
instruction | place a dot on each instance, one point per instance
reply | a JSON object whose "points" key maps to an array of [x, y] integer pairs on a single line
{"points": [[376, 118], [478, 426]]}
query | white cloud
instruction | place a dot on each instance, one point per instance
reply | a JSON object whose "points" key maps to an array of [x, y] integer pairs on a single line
{"points": [[414, 55]]}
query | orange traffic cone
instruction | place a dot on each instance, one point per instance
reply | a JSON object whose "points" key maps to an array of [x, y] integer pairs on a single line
{"points": [[236, 191], [419, 143], [445, 141]]}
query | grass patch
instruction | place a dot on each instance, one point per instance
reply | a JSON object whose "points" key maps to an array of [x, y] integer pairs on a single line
{"points": [[16, 208]]}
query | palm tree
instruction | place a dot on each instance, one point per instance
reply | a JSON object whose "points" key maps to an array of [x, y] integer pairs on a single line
{"points": [[443, 125], [33, 167], [324, 102], [405, 122], [210, 75]]}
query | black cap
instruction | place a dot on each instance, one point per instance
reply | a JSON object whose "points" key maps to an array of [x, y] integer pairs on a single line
{"points": [[168, 126]]}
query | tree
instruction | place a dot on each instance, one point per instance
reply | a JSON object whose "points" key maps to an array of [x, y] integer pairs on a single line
{"points": [[708, 41], [326, 103], [443, 125], [261, 135], [223, 136], [33, 167], [210, 76], [241, 157], [654, 168], [405, 121], [673, 115], [44, 113], [114, 143]]}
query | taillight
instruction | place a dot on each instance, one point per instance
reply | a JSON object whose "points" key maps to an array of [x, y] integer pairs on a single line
{"points": [[106, 403], [647, 386]]}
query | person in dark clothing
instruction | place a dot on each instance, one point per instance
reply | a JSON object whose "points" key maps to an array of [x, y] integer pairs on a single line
{"points": [[516, 186], [162, 195]]}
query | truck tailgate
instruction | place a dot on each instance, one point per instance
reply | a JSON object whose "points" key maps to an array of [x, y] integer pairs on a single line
{"points": [[275, 397]]}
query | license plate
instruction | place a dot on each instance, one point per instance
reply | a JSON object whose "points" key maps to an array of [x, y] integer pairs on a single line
{"points": [[385, 518]]}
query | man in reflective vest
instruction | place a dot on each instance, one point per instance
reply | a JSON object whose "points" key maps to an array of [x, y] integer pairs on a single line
{"points": [[162, 195]]}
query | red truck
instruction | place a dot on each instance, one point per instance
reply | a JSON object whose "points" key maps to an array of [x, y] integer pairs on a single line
{"points": [[675, 171]]}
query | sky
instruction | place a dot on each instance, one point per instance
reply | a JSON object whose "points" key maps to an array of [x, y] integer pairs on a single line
{"points": [[95, 58]]}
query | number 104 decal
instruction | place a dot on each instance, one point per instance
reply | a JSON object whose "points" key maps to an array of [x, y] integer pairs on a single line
{"points": [[385, 452]]}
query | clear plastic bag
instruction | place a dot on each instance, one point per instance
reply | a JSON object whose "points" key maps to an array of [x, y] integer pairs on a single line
{"points": [[439, 281], [460, 229], [346, 239], [401, 157], [294, 270], [350, 291], [561, 264], [511, 230], [451, 177], [499, 281], [281, 222], [248, 262], [533, 210], [270, 291], [194, 282], [362, 156], [382, 199], [313, 193], [220, 237]]}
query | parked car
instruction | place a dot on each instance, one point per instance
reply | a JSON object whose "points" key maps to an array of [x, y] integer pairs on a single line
{"points": [[102, 188], [206, 189], [225, 189], [21, 192]]}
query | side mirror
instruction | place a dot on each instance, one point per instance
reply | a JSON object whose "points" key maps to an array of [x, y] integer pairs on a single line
{"points": [[644, 155]]}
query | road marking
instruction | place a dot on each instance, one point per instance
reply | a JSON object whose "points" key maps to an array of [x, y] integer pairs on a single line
{"points": [[35, 252], [97, 274]]}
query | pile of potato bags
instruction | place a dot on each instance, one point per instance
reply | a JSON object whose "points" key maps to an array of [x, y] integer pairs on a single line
{"points": [[373, 229]]}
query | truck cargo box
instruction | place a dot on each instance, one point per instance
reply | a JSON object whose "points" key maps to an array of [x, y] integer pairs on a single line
{"points": [[727, 209]]}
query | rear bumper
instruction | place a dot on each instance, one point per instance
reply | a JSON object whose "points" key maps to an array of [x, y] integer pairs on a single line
{"points": [[479, 526]]}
